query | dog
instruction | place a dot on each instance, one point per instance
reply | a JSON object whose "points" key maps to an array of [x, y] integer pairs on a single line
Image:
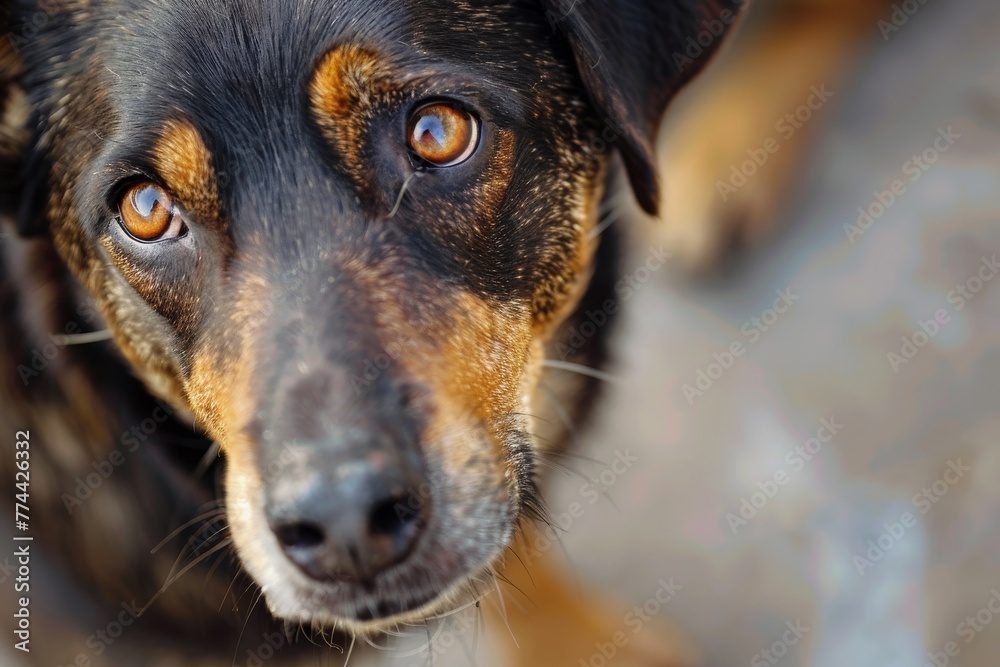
{"points": [[336, 247]]}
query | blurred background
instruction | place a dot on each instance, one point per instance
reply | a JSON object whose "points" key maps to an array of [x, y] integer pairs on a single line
{"points": [[841, 476]]}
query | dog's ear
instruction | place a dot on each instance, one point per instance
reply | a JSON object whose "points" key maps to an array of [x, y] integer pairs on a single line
{"points": [[633, 56]]}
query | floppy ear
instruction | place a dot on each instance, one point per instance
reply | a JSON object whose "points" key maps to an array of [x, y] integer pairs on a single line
{"points": [[633, 56]]}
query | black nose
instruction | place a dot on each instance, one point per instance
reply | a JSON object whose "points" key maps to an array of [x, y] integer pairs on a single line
{"points": [[350, 520]]}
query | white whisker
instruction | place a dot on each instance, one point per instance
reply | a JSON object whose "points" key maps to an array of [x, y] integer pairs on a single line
{"points": [[581, 370], [402, 193], [558, 408], [82, 339], [502, 606], [350, 651]]}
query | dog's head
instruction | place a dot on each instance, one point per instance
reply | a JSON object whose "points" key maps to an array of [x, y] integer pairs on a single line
{"points": [[340, 235]]}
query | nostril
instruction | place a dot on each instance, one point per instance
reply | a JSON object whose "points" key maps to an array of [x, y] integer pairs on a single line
{"points": [[393, 528], [388, 517], [299, 535], [399, 518]]}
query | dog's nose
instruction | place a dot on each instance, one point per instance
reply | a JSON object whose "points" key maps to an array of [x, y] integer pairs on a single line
{"points": [[352, 521]]}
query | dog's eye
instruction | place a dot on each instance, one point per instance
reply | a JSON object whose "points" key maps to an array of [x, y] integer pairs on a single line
{"points": [[443, 135], [148, 214]]}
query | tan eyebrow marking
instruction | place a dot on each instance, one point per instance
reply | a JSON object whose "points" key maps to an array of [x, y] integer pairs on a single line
{"points": [[348, 79], [185, 163], [349, 84]]}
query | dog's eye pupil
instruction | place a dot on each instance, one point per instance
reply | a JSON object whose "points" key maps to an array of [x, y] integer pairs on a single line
{"points": [[443, 135], [147, 211]]}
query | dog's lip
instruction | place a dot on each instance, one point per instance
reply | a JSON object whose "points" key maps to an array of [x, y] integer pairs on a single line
{"points": [[377, 616], [388, 608]]}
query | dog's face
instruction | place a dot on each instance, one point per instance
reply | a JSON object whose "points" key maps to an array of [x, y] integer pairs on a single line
{"points": [[340, 235]]}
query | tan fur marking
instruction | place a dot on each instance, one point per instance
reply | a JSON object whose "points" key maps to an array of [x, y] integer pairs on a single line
{"points": [[185, 164], [219, 388], [349, 81], [345, 78]]}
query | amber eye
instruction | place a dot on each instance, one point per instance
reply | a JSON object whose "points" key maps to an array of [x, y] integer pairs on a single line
{"points": [[147, 213], [443, 135]]}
